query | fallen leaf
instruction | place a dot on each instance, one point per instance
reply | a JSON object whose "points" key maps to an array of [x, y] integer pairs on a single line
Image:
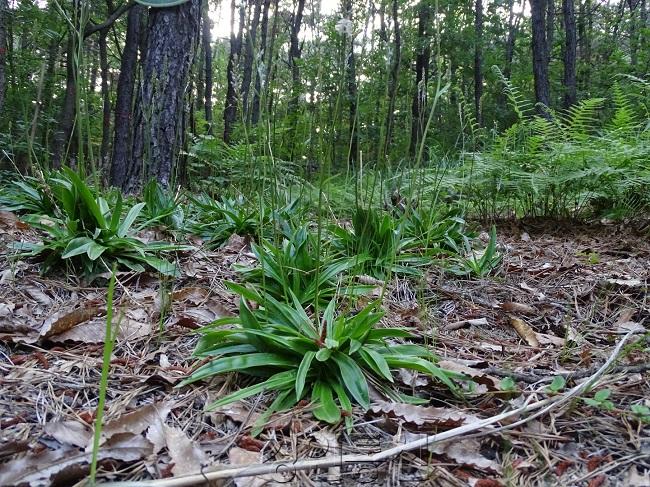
{"points": [[240, 414], [466, 452], [512, 307], [185, 454], [546, 339], [135, 422], [631, 283], [634, 479], [477, 375], [63, 321], [327, 440], [459, 324], [93, 331], [69, 432], [424, 417], [524, 331]]}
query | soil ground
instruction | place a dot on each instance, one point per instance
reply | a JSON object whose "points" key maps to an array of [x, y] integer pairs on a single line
{"points": [[566, 295]]}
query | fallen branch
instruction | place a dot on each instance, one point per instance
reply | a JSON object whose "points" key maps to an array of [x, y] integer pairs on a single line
{"points": [[542, 375], [542, 407]]}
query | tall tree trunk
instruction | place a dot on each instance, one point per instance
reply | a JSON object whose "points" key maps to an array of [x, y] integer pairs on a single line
{"points": [[478, 60], [230, 111], [421, 78], [634, 27], [159, 132], [570, 47], [550, 29], [64, 143], [540, 56], [122, 142], [585, 30], [207, 66], [294, 58], [106, 100], [249, 55], [644, 39], [263, 67], [271, 65], [4, 19], [351, 79], [393, 79], [510, 40], [48, 86]]}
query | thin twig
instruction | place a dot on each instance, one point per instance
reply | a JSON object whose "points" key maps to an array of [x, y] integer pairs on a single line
{"points": [[542, 407]]}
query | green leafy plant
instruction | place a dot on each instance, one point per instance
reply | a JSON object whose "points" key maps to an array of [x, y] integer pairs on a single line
{"points": [[300, 266], [323, 358], [28, 195], [479, 264], [162, 207], [216, 220], [377, 241], [600, 400], [641, 412], [557, 385], [434, 227], [89, 235], [508, 384]]}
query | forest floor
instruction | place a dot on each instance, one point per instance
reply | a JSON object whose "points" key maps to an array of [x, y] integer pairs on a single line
{"points": [[567, 294]]}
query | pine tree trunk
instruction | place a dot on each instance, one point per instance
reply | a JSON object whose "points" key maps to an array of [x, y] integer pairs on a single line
{"points": [[351, 78], [122, 142], [294, 57], [207, 67], [106, 100], [421, 78], [570, 46], [263, 68], [230, 111], [393, 79], [4, 19], [172, 39], [478, 60], [64, 143], [48, 87], [550, 29], [540, 56], [249, 55]]}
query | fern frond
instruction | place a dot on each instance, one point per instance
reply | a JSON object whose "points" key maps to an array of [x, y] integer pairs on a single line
{"points": [[579, 121], [624, 122], [518, 102]]}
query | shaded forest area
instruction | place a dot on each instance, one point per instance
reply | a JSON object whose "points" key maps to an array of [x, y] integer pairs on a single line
{"points": [[324, 242]]}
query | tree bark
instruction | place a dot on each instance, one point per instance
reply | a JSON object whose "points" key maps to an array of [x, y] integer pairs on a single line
{"points": [[171, 46], [263, 67], [207, 66], [393, 79], [550, 29], [351, 79], [48, 86], [570, 47], [294, 57], [122, 142], [421, 78], [540, 54], [4, 19], [106, 100], [230, 111], [63, 142], [478, 60], [249, 55]]}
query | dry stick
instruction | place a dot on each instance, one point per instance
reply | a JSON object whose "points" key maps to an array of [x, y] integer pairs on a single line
{"points": [[544, 406]]}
